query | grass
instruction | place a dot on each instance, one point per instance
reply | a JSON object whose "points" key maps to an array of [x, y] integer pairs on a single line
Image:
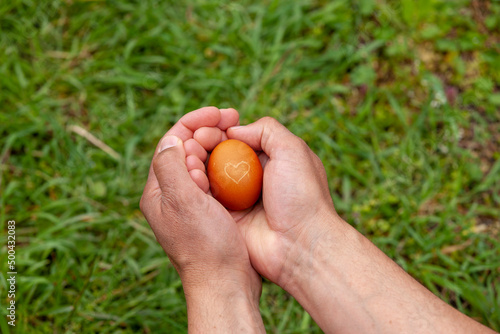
{"points": [[400, 99]]}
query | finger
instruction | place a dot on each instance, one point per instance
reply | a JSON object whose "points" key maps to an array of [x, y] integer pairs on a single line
{"points": [[192, 147], [184, 129], [267, 135], [208, 137], [229, 117], [201, 179], [193, 162], [190, 122], [171, 171], [152, 192], [196, 170]]}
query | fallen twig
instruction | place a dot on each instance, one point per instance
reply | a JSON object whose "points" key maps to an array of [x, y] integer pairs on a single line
{"points": [[95, 141]]}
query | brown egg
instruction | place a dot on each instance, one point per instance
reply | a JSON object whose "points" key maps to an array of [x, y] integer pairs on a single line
{"points": [[235, 174]]}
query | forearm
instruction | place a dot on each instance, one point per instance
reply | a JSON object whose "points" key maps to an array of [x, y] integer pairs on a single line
{"points": [[223, 306], [349, 286]]}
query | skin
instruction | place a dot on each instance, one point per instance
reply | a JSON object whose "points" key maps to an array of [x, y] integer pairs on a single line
{"points": [[293, 237], [222, 289]]}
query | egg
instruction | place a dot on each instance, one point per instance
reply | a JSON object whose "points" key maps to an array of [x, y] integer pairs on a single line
{"points": [[235, 174]]}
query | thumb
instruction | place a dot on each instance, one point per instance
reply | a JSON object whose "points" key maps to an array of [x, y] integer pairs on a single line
{"points": [[268, 135], [169, 166]]}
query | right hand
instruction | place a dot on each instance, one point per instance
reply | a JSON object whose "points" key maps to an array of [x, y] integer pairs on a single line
{"points": [[295, 238], [296, 207]]}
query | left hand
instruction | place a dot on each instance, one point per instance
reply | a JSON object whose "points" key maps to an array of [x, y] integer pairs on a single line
{"points": [[198, 234]]}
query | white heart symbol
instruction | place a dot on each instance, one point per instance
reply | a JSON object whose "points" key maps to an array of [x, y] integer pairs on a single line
{"points": [[237, 172]]}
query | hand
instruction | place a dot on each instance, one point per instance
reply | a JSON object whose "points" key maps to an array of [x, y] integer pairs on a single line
{"points": [[296, 239], [199, 236], [296, 206]]}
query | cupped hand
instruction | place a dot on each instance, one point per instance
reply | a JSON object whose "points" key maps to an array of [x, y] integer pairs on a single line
{"points": [[296, 202], [198, 234], [295, 238]]}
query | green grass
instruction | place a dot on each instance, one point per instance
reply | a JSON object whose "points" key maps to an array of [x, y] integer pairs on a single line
{"points": [[400, 99]]}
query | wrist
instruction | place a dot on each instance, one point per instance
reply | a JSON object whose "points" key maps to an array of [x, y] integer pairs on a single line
{"points": [[223, 282], [321, 278], [311, 247], [222, 278], [223, 301]]}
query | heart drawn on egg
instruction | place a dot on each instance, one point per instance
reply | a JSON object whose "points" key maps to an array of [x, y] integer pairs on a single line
{"points": [[238, 171]]}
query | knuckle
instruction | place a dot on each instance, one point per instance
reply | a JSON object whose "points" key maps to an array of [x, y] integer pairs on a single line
{"points": [[209, 109], [302, 143], [270, 121]]}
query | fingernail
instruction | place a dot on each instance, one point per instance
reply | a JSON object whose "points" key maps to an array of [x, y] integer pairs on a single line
{"points": [[167, 142], [236, 127]]}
